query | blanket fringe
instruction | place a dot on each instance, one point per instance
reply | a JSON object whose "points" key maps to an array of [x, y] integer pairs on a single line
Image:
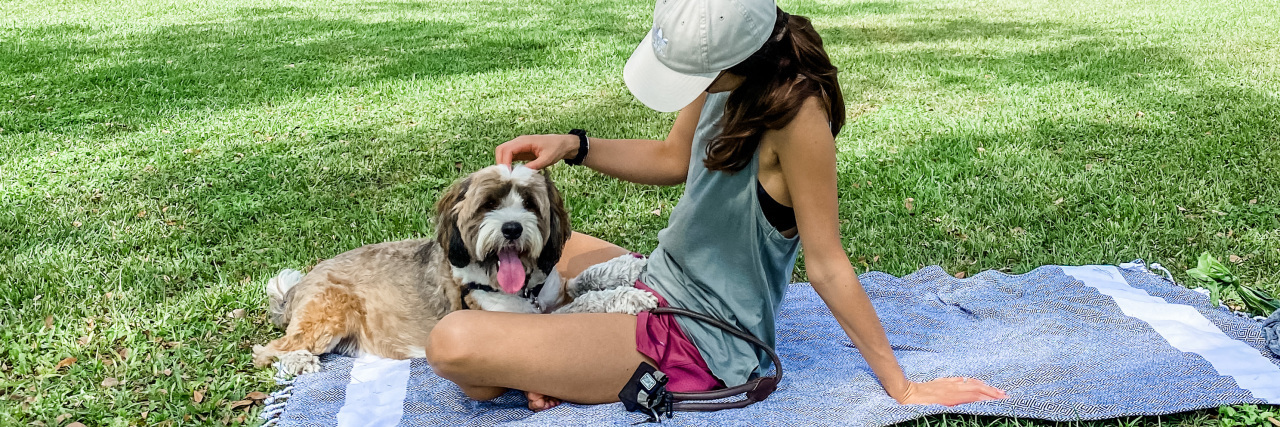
{"points": [[1167, 274], [274, 404], [1150, 268]]}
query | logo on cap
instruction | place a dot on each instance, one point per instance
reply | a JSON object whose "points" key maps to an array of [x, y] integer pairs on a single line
{"points": [[659, 42]]}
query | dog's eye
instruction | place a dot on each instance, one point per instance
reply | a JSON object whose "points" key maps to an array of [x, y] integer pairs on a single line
{"points": [[529, 205], [489, 205]]}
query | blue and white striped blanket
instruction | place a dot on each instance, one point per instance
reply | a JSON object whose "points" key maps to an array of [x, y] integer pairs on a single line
{"points": [[1066, 343]]}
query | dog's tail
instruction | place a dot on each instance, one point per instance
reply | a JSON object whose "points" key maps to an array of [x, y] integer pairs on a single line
{"points": [[277, 288]]}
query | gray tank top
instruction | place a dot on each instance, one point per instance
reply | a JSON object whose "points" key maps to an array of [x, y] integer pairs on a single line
{"points": [[720, 256]]}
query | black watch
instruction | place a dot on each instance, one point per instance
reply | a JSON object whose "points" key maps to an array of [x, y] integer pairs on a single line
{"points": [[583, 146]]}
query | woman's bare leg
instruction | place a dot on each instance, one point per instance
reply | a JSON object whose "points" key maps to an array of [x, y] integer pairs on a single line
{"points": [[455, 338], [582, 358], [582, 251]]}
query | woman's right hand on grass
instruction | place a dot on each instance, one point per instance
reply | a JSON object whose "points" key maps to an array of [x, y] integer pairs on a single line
{"points": [[538, 150]]}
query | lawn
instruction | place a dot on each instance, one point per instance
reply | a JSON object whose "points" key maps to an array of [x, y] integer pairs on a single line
{"points": [[160, 160]]}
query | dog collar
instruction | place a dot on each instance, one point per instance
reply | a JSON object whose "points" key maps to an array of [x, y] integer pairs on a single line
{"points": [[472, 286], [529, 292]]}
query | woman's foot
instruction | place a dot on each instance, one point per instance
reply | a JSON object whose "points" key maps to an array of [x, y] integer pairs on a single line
{"points": [[540, 402]]}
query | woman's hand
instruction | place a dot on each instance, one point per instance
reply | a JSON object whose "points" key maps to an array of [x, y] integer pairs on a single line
{"points": [[950, 391], [538, 150]]}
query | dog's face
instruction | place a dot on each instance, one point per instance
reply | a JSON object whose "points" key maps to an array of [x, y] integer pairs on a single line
{"points": [[502, 228]]}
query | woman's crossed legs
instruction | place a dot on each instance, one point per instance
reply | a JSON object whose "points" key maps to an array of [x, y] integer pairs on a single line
{"points": [[581, 358]]}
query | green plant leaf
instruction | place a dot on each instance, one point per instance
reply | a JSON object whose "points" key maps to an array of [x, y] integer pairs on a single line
{"points": [[1213, 275], [1257, 301]]}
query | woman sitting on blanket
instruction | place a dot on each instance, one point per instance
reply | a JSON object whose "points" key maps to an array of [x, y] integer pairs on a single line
{"points": [[754, 144]]}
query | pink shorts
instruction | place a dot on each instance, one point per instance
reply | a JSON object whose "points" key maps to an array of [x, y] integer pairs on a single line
{"points": [[659, 337]]}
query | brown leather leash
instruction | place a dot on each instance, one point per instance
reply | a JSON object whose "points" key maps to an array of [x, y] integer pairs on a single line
{"points": [[646, 392]]}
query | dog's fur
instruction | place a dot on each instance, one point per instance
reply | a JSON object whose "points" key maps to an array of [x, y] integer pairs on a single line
{"points": [[384, 299], [609, 287]]}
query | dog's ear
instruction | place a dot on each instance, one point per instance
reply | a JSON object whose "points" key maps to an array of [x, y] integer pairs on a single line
{"points": [[560, 229], [456, 248], [447, 233]]}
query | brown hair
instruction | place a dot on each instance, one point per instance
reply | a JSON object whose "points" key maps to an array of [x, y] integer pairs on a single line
{"points": [[788, 69]]}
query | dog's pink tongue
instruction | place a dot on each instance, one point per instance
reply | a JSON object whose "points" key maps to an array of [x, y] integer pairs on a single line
{"points": [[510, 270]]}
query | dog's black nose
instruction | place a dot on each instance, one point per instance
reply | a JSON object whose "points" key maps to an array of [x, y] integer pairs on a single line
{"points": [[512, 230]]}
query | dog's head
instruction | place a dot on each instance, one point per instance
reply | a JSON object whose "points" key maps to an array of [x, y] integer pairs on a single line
{"points": [[502, 228]]}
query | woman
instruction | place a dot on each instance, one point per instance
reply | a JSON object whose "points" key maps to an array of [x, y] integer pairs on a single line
{"points": [[754, 142]]}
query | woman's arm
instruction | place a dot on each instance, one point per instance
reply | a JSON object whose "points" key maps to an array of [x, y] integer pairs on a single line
{"points": [[641, 161], [807, 155]]}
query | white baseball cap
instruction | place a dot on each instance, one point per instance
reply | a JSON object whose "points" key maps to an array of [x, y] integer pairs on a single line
{"points": [[690, 43]]}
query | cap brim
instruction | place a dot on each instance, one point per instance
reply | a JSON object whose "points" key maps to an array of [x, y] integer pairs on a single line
{"points": [[659, 87]]}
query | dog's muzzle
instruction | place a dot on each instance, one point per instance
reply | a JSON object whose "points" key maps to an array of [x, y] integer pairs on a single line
{"points": [[512, 230]]}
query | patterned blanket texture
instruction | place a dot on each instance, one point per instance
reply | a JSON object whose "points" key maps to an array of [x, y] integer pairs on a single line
{"points": [[1066, 343]]}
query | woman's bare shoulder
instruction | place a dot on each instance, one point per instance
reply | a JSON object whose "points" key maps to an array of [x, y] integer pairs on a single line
{"points": [[810, 125]]}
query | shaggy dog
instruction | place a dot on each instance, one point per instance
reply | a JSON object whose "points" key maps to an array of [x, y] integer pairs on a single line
{"points": [[499, 234]]}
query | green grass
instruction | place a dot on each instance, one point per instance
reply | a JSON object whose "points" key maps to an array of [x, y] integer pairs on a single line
{"points": [[160, 160]]}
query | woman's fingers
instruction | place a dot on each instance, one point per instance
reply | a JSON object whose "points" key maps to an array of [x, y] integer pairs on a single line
{"points": [[953, 391], [501, 156], [516, 149], [540, 161], [992, 392], [538, 150], [976, 386]]}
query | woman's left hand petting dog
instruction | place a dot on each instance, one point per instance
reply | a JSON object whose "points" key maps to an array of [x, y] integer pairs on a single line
{"points": [[499, 234]]}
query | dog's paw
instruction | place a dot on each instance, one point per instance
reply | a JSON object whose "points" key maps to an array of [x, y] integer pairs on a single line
{"points": [[299, 362], [262, 357], [498, 301]]}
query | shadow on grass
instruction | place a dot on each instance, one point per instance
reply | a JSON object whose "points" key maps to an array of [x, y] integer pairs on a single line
{"points": [[936, 30], [198, 66], [844, 9], [203, 218], [64, 76], [1158, 152], [140, 78], [231, 214]]}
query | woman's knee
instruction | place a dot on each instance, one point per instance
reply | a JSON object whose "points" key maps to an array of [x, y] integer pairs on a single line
{"points": [[584, 250], [452, 345]]}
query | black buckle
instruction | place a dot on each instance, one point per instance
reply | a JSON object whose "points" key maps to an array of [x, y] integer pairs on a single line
{"points": [[646, 393]]}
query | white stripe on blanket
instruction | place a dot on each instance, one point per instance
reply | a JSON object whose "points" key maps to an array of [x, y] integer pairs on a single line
{"points": [[375, 395], [1187, 330]]}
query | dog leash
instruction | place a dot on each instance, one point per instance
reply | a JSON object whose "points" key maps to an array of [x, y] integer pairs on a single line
{"points": [[646, 391]]}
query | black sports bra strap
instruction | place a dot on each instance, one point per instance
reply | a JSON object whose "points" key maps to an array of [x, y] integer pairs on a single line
{"points": [[780, 216]]}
